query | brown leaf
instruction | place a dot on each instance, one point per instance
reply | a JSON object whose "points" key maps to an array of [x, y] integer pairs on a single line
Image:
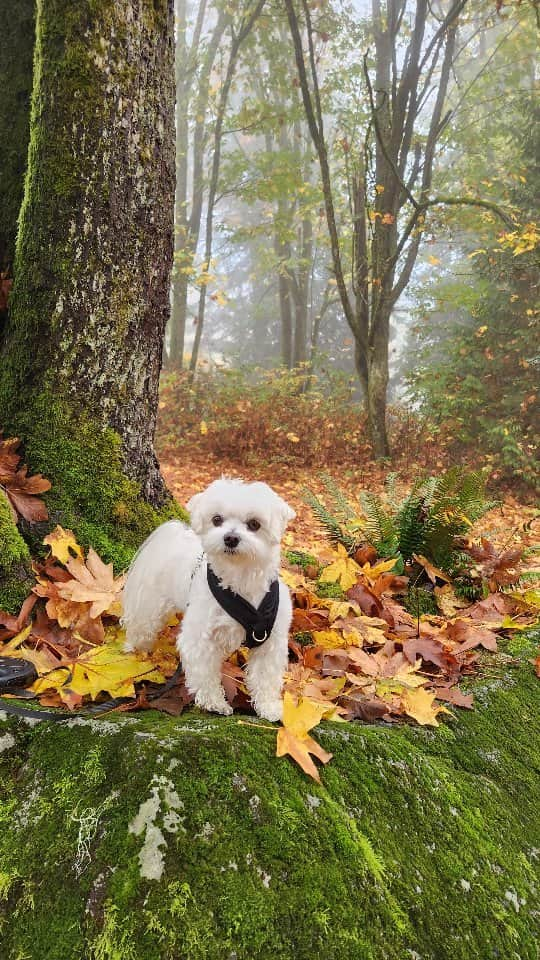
{"points": [[21, 491], [389, 583], [365, 662], [313, 657], [493, 608], [432, 571], [431, 651], [454, 696], [335, 663], [368, 709], [309, 620], [368, 601], [93, 583], [469, 636]]}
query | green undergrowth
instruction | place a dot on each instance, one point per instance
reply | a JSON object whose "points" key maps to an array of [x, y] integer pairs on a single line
{"points": [[152, 838], [90, 492]]}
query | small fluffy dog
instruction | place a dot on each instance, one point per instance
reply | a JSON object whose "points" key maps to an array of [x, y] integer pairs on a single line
{"points": [[225, 566]]}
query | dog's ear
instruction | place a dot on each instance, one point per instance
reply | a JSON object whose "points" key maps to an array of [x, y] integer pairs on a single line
{"points": [[196, 516], [286, 512]]}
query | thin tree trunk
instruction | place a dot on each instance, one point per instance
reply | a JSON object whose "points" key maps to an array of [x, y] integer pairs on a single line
{"points": [[179, 277], [82, 352], [238, 38]]}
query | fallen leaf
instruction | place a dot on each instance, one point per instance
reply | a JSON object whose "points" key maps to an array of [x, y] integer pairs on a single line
{"points": [[63, 545], [344, 570], [93, 583], [293, 738], [433, 572], [420, 705]]}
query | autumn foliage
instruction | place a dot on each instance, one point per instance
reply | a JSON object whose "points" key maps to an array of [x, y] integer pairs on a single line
{"points": [[356, 653]]}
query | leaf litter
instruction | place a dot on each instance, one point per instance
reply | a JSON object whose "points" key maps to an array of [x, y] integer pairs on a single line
{"points": [[360, 656]]}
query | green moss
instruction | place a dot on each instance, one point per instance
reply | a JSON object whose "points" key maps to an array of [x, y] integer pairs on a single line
{"points": [[15, 579], [90, 493], [301, 559], [418, 600], [330, 590], [16, 84], [419, 842]]}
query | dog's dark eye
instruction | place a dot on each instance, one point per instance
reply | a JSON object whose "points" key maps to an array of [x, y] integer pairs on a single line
{"points": [[217, 520], [253, 525]]}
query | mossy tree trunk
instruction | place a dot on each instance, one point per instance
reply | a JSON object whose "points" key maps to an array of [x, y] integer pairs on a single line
{"points": [[17, 43], [83, 346]]}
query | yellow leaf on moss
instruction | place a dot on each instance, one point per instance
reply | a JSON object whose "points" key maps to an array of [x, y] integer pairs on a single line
{"points": [[293, 738], [420, 705], [63, 545], [344, 570]]}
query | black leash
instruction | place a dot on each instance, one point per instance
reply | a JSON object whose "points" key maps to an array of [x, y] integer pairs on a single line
{"points": [[258, 622], [15, 672]]}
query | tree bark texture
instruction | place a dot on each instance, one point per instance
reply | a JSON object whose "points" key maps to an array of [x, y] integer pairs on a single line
{"points": [[16, 53], [17, 50], [93, 262]]}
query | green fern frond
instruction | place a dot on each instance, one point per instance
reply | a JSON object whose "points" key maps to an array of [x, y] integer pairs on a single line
{"points": [[333, 528], [342, 506], [379, 525]]}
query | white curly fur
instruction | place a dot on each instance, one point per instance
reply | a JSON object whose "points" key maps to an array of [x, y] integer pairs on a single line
{"points": [[169, 574]]}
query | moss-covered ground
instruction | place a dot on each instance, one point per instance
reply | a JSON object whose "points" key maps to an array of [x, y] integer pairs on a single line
{"points": [[152, 838]]}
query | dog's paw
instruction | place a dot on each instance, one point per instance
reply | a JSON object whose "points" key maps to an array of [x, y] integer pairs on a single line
{"points": [[213, 704], [273, 710]]}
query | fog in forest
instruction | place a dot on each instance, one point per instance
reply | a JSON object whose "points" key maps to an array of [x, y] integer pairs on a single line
{"points": [[267, 294]]}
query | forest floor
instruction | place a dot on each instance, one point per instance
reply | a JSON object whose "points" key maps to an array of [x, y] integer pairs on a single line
{"points": [[189, 469]]}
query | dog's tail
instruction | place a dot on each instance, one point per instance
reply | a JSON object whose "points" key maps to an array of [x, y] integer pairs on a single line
{"points": [[158, 582]]}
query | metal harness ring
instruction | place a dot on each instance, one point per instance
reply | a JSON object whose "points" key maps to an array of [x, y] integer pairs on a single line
{"points": [[261, 639]]}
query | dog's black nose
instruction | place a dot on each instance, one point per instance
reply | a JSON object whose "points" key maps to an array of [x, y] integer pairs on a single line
{"points": [[231, 542]]}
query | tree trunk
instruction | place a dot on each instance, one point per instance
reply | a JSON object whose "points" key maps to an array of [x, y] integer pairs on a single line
{"points": [[17, 49], [179, 278], [377, 386], [82, 354]]}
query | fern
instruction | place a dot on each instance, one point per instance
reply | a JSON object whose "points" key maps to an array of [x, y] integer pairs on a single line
{"points": [[329, 521], [427, 521], [342, 506]]}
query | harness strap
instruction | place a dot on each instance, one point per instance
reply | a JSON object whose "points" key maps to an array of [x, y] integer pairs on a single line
{"points": [[258, 622]]}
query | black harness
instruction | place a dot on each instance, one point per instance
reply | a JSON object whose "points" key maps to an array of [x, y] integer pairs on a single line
{"points": [[258, 622]]}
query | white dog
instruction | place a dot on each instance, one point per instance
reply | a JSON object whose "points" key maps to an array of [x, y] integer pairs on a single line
{"points": [[230, 556]]}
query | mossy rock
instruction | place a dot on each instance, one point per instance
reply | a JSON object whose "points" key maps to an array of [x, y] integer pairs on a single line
{"points": [[152, 838]]}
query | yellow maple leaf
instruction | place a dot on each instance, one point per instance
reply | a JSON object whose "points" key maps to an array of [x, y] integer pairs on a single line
{"points": [[330, 639], [373, 573], [293, 738], [340, 608], [420, 705], [63, 544], [434, 261], [105, 669], [343, 570]]}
